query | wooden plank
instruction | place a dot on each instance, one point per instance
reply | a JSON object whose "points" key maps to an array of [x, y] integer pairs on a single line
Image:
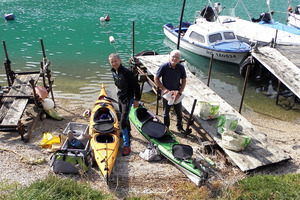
{"points": [[15, 112], [13, 108], [291, 53], [280, 66], [259, 153]]}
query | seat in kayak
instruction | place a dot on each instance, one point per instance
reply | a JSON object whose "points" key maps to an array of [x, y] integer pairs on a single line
{"points": [[154, 129], [182, 151], [104, 127]]}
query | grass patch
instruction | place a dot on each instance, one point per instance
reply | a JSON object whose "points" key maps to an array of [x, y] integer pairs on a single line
{"points": [[265, 187], [53, 187], [256, 187]]}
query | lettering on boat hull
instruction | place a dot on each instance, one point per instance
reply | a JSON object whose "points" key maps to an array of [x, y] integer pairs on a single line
{"points": [[221, 55]]}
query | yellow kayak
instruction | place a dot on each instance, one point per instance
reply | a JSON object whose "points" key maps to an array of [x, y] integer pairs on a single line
{"points": [[104, 130]]}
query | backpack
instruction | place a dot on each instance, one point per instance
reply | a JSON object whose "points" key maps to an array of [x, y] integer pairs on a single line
{"points": [[69, 162]]}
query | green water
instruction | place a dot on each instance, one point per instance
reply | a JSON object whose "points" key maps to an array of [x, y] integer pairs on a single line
{"points": [[77, 43]]}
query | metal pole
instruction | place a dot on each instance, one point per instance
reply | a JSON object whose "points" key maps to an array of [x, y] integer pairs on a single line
{"points": [[132, 38], [191, 120], [245, 83], [179, 32], [210, 67]]}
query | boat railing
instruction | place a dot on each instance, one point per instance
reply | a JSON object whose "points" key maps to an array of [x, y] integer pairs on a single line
{"points": [[197, 16]]}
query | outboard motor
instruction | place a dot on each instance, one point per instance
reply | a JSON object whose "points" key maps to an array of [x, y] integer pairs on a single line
{"points": [[218, 8], [297, 10], [208, 13]]}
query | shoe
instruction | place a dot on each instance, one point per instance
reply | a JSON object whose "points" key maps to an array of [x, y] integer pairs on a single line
{"points": [[126, 151], [181, 130]]}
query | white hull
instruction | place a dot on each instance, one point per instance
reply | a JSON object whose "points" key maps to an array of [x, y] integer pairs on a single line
{"points": [[231, 57], [294, 21], [251, 32]]}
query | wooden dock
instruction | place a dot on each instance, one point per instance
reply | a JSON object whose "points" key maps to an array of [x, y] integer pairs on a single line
{"points": [[260, 152], [283, 62], [20, 92]]}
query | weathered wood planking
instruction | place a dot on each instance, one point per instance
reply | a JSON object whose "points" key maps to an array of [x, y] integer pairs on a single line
{"points": [[13, 108], [291, 53], [259, 153], [282, 66]]}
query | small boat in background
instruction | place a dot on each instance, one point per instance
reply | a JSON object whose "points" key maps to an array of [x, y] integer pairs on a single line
{"points": [[206, 37], [294, 18], [10, 16], [253, 33], [277, 25]]}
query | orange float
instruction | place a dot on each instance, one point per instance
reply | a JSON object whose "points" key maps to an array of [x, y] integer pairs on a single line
{"points": [[41, 92]]}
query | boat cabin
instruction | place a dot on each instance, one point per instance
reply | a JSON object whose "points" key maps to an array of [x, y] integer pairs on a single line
{"points": [[204, 33]]}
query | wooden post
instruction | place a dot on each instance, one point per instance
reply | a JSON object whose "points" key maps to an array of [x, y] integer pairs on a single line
{"points": [[209, 71], [7, 71], [278, 88], [244, 87], [9, 74], [45, 67], [43, 75], [35, 98], [181, 16], [21, 129], [35, 120]]}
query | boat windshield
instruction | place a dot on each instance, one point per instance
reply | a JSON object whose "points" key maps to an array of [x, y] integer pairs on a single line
{"points": [[229, 35], [197, 37], [215, 37]]}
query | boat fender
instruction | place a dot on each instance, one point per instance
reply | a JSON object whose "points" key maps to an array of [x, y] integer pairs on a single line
{"points": [[254, 68], [48, 104]]}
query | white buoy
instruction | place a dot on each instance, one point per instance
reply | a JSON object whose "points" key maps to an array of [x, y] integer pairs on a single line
{"points": [[48, 104], [111, 39], [102, 19]]}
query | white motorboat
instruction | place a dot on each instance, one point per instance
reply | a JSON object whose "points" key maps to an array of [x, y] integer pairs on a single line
{"points": [[257, 33], [206, 38], [251, 32]]}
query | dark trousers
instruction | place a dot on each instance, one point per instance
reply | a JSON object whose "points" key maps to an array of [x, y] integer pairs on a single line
{"points": [[124, 107], [166, 113]]}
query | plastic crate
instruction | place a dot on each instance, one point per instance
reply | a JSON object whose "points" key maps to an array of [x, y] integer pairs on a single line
{"points": [[77, 129], [85, 151]]}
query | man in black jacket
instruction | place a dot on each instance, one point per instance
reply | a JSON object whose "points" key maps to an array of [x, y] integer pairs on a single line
{"points": [[128, 95]]}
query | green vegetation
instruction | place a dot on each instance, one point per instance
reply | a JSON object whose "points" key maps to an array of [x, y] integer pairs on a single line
{"points": [[53, 187], [256, 187], [265, 187]]}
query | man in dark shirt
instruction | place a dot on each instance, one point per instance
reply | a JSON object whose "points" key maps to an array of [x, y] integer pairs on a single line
{"points": [[173, 78], [128, 95]]}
